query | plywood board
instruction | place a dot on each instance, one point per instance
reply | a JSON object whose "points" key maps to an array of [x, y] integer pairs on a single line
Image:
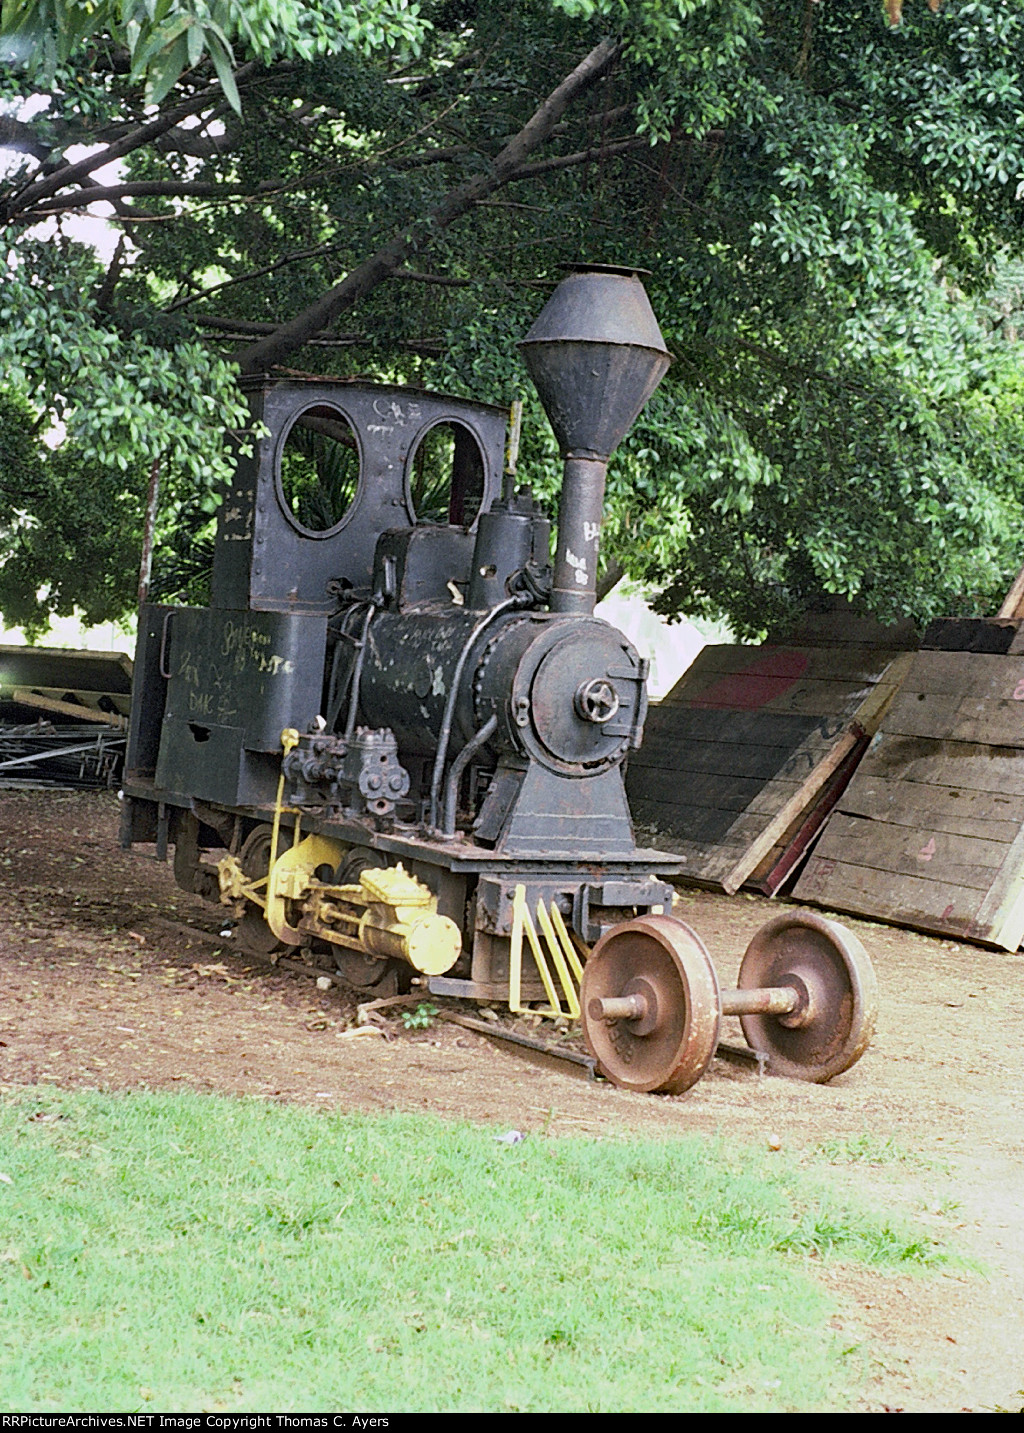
{"points": [[738, 756]]}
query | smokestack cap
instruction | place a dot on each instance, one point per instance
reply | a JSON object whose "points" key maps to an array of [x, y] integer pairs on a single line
{"points": [[595, 354]]}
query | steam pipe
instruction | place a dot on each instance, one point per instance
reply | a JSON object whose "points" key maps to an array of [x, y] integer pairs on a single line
{"points": [[455, 682], [458, 766]]}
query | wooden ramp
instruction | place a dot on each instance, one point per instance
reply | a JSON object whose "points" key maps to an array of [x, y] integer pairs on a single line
{"points": [[930, 831], [743, 759]]}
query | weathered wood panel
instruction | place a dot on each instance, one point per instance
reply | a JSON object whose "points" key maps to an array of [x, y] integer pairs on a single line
{"points": [[930, 830], [881, 895], [989, 814], [736, 757], [790, 848], [947, 763], [938, 856]]}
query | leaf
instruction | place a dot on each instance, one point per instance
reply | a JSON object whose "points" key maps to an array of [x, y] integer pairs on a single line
{"points": [[223, 63], [166, 69], [195, 44]]}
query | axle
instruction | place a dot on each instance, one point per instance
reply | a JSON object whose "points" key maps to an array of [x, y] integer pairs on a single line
{"points": [[782, 1000]]}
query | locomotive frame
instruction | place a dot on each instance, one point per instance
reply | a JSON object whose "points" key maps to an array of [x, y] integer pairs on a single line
{"points": [[406, 730]]}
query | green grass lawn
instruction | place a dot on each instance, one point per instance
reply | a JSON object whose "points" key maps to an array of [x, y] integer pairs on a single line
{"points": [[185, 1252]]}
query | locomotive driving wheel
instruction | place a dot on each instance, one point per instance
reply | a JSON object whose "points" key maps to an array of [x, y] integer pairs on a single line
{"points": [[650, 1005], [366, 972], [254, 935], [833, 1019]]}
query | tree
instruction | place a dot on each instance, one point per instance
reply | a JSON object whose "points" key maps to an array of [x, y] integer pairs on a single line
{"points": [[822, 199]]}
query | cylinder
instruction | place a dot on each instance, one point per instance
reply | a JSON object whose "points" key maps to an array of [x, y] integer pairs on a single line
{"points": [[428, 942]]}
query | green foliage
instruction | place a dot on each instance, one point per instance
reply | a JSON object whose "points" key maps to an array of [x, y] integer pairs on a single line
{"points": [[829, 206], [421, 1018], [185, 1251], [70, 541], [166, 38], [124, 397]]}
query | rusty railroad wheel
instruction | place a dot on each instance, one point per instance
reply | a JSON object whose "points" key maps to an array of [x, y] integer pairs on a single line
{"points": [[664, 965], [833, 1025]]}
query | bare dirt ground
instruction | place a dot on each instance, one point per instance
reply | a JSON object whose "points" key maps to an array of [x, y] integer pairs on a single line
{"points": [[104, 985]]}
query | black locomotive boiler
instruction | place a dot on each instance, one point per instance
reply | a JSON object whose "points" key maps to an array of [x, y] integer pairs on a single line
{"points": [[396, 737]]}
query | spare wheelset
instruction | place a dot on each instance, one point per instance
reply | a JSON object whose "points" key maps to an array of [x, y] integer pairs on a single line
{"points": [[652, 1006]]}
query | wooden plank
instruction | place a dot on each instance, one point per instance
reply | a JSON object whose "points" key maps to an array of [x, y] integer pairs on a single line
{"points": [[791, 810], [957, 718], [712, 794], [872, 711], [781, 668], [936, 808], [981, 674], [745, 744], [989, 814], [720, 761], [731, 798], [42, 703], [977, 767], [879, 895], [971, 634], [997, 908], [700, 829], [936, 856], [729, 847], [1008, 923], [843, 627], [65, 669], [1013, 603], [706, 761], [765, 728], [745, 751], [922, 714], [791, 848]]}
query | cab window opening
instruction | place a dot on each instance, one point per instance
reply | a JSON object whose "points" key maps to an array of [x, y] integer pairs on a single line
{"points": [[318, 470], [446, 476]]}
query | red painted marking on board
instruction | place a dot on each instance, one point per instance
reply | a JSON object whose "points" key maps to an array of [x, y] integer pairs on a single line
{"points": [[769, 677], [947, 912], [927, 851], [1018, 691]]}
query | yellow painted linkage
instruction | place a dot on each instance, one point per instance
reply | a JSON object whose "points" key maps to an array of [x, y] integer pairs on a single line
{"points": [[560, 948]]}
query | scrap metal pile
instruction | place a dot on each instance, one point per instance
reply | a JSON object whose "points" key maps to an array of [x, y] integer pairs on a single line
{"points": [[63, 716], [41, 753]]}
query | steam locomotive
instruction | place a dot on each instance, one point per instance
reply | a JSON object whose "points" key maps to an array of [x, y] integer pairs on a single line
{"points": [[396, 738]]}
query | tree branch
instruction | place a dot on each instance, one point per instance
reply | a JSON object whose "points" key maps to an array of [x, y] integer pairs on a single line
{"points": [[362, 280], [140, 188], [582, 156], [246, 328], [43, 187], [254, 274], [20, 137]]}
